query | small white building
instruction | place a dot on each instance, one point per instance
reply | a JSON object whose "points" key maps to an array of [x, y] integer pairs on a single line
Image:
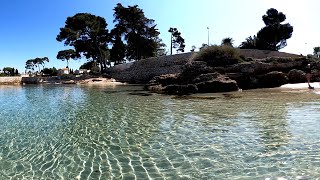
{"points": [[63, 71], [84, 71]]}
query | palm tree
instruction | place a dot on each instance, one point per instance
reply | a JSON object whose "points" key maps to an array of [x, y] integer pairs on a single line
{"points": [[227, 42]]}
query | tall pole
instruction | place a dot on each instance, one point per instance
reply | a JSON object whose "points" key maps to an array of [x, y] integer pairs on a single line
{"points": [[171, 44], [208, 36], [306, 49]]}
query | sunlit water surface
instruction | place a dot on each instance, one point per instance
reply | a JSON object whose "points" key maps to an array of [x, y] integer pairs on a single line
{"points": [[74, 132]]}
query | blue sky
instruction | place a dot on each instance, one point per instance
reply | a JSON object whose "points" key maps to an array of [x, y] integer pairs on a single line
{"points": [[29, 27]]}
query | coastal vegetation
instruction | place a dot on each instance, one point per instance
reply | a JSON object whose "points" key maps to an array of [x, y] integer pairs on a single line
{"points": [[218, 55], [228, 41], [9, 71], [88, 35], [50, 71], [66, 55], [31, 64], [177, 42], [316, 52], [273, 36], [133, 37]]}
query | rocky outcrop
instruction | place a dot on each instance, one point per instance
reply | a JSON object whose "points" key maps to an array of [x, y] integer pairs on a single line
{"points": [[296, 76], [198, 77], [31, 80], [272, 79], [204, 83], [142, 71], [214, 82]]}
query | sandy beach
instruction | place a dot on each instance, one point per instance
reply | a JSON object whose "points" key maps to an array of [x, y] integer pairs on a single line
{"points": [[316, 85]]}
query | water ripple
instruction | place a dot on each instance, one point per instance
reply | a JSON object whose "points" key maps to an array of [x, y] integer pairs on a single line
{"points": [[67, 132]]}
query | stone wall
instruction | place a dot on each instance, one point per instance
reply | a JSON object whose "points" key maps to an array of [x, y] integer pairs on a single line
{"points": [[10, 80], [142, 71]]}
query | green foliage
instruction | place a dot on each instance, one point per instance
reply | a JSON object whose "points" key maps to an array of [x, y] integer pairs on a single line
{"points": [[118, 50], [88, 35], [316, 52], [87, 65], [9, 71], [273, 36], [227, 42], [177, 42], [250, 43], [37, 62], [30, 64], [95, 70], [161, 50], [193, 48], [50, 71], [139, 32], [203, 46], [68, 54], [218, 56]]}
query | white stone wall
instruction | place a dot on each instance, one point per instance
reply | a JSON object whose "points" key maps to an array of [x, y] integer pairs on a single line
{"points": [[10, 80]]}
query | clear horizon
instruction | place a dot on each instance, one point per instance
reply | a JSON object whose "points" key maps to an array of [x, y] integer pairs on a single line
{"points": [[30, 27]]}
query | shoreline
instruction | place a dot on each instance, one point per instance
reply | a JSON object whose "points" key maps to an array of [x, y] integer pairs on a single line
{"points": [[17, 81], [23, 80], [316, 85]]}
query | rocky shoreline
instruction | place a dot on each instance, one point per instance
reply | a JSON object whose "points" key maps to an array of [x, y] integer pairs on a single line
{"points": [[58, 80], [199, 77]]}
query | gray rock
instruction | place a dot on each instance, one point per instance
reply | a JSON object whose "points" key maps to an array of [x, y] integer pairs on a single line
{"points": [[296, 76]]}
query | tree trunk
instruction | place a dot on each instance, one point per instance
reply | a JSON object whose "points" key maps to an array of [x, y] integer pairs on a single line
{"points": [[101, 67], [105, 66]]}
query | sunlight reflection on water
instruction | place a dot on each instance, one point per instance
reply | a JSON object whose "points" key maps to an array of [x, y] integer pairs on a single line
{"points": [[79, 132]]}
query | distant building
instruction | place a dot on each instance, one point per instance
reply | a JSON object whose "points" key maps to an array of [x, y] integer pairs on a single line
{"points": [[84, 71], [63, 71]]}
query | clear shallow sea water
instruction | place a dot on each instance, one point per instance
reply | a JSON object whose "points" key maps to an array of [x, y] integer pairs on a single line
{"points": [[81, 132]]}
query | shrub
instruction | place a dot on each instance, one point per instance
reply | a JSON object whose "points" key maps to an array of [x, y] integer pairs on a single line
{"points": [[50, 71], [218, 56]]}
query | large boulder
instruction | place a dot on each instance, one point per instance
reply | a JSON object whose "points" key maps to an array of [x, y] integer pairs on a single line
{"points": [[296, 76], [215, 82], [244, 81], [204, 83], [254, 67], [164, 80], [272, 79], [194, 69], [258, 67]]}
